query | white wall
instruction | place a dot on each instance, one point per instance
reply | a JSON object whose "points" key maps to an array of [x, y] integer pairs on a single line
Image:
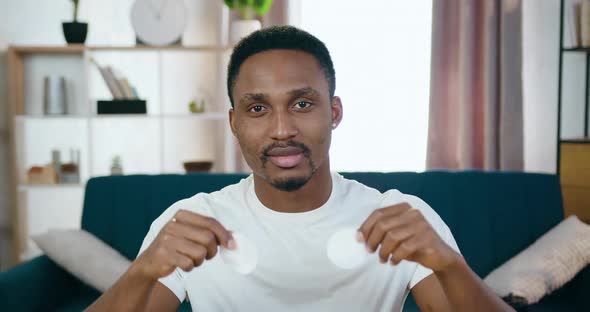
{"points": [[34, 22]]}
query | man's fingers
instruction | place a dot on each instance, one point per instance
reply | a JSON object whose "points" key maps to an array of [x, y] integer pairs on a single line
{"points": [[184, 262], [369, 224], [388, 224], [393, 239], [407, 249], [198, 235], [194, 251], [222, 235]]}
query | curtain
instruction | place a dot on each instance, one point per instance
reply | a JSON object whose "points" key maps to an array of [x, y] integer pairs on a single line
{"points": [[475, 119]]}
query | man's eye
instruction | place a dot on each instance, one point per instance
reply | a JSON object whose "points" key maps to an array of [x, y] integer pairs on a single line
{"points": [[257, 108], [302, 104]]}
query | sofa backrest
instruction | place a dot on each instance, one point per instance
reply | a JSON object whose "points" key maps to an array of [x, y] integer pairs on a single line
{"points": [[492, 215]]}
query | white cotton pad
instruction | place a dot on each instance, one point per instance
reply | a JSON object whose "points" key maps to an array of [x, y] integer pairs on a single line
{"points": [[345, 251], [244, 258]]}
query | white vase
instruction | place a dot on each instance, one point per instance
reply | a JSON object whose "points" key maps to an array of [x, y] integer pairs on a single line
{"points": [[242, 28]]}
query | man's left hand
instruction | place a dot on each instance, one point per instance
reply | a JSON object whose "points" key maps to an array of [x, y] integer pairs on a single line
{"points": [[404, 234]]}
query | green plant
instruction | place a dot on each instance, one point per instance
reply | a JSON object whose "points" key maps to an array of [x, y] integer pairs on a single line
{"points": [[248, 8], [75, 10]]}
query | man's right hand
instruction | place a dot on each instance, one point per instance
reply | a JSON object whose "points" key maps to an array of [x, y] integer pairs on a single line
{"points": [[185, 242]]}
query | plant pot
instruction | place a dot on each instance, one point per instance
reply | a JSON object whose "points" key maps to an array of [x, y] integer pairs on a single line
{"points": [[242, 28], [75, 32]]}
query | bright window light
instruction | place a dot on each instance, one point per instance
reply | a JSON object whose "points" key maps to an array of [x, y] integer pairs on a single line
{"points": [[381, 53]]}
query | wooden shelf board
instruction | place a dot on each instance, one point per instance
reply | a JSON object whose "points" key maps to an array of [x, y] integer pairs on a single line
{"points": [[27, 187], [211, 48], [576, 49], [212, 116], [207, 116], [576, 140], [49, 117], [69, 49], [80, 48]]}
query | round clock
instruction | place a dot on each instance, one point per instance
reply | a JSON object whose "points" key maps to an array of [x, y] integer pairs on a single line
{"points": [[158, 22]]}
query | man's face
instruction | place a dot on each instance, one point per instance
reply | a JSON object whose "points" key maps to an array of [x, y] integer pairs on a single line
{"points": [[283, 116]]}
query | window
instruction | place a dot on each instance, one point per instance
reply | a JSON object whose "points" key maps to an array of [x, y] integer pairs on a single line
{"points": [[381, 53]]}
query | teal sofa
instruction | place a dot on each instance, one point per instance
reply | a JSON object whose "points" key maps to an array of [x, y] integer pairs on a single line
{"points": [[493, 216]]}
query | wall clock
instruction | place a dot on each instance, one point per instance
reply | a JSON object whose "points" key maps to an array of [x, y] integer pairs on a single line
{"points": [[158, 22]]}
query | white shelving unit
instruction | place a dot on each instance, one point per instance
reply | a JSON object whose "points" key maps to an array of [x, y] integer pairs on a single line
{"points": [[153, 143]]}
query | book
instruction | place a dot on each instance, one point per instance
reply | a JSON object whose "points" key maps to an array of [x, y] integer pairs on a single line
{"points": [[573, 25], [107, 79], [116, 85], [127, 89]]}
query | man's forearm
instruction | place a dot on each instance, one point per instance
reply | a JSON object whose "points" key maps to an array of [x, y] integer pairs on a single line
{"points": [[465, 291], [130, 293]]}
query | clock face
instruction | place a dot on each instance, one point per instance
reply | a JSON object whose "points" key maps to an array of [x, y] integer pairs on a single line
{"points": [[158, 22]]}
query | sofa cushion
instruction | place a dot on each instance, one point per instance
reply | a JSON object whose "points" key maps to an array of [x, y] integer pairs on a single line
{"points": [[83, 255], [546, 265]]}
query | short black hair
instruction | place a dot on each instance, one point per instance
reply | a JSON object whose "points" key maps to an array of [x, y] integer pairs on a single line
{"points": [[279, 37]]}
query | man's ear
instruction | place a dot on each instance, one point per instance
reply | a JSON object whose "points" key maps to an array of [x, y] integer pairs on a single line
{"points": [[336, 111], [232, 121]]}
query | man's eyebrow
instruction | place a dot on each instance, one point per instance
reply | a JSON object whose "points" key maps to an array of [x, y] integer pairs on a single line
{"points": [[301, 92], [253, 97]]}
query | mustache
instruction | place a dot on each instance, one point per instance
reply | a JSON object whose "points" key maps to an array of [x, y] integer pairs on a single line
{"points": [[290, 143]]}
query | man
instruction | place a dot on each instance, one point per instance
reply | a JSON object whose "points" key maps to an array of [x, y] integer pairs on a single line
{"points": [[281, 84]]}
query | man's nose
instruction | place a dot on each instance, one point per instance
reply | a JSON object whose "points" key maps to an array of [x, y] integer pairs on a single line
{"points": [[283, 126]]}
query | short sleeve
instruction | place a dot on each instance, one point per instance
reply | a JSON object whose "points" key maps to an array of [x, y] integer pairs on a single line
{"points": [[174, 281], [423, 272], [393, 197]]}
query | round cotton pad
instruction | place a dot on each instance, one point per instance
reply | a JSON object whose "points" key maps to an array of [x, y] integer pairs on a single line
{"points": [[345, 251], [244, 258]]}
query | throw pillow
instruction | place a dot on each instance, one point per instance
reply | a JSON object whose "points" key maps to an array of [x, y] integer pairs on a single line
{"points": [[549, 263], [84, 256]]}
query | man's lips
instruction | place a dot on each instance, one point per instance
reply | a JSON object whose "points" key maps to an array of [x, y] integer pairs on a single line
{"points": [[287, 161], [286, 157]]}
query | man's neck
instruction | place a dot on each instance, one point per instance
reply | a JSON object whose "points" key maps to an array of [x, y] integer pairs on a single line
{"points": [[312, 195]]}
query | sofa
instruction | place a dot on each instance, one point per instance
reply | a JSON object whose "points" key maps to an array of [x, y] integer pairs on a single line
{"points": [[492, 215]]}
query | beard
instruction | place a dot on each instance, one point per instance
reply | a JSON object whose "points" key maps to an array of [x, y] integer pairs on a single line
{"points": [[291, 184]]}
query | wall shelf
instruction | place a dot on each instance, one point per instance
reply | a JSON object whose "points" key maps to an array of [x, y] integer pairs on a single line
{"points": [[573, 151], [28, 187], [167, 77], [80, 49]]}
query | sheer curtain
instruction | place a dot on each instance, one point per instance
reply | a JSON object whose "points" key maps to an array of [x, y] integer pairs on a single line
{"points": [[476, 114]]}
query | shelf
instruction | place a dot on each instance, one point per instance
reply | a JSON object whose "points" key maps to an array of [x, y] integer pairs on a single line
{"points": [[50, 117], [80, 49], [69, 49], [205, 116], [27, 187], [203, 48], [576, 49], [576, 140]]}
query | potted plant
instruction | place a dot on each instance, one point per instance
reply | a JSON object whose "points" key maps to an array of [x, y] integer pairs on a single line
{"points": [[248, 23], [75, 32]]}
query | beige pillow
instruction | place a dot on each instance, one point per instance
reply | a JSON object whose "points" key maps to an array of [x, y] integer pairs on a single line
{"points": [[546, 265], [84, 256]]}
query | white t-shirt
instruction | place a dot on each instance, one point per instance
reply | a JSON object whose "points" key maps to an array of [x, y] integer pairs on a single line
{"points": [[293, 272]]}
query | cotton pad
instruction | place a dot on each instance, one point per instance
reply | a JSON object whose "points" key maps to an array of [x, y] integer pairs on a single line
{"points": [[244, 258], [345, 251]]}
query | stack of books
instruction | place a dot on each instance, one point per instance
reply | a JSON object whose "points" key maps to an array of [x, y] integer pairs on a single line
{"points": [[118, 85]]}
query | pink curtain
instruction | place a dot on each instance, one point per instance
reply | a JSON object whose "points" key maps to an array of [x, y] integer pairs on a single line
{"points": [[476, 117]]}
